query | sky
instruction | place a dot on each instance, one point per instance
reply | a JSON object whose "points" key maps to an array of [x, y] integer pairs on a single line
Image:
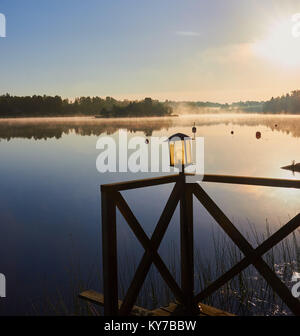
{"points": [[217, 50]]}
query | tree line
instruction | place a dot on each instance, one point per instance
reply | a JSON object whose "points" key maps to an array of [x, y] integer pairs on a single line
{"points": [[289, 103], [147, 107], [40, 106]]}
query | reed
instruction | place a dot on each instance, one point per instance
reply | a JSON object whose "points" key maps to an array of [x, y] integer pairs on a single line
{"points": [[246, 294]]}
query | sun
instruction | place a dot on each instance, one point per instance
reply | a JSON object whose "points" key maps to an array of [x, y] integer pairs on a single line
{"points": [[280, 45]]}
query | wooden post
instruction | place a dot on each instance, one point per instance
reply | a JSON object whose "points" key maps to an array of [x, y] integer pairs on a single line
{"points": [[187, 247], [109, 250]]}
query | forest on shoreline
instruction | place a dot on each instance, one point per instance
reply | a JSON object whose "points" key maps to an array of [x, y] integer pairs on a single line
{"points": [[54, 106], [289, 104], [48, 106]]}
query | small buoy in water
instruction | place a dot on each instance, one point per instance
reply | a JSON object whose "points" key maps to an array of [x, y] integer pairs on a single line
{"points": [[258, 135], [147, 142], [232, 132], [194, 129]]}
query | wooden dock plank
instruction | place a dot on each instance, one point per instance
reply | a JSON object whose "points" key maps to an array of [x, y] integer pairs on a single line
{"points": [[212, 311], [98, 299], [172, 309]]}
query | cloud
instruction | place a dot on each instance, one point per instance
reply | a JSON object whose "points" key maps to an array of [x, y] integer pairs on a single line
{"points": [[229, 54], [187, 33]]}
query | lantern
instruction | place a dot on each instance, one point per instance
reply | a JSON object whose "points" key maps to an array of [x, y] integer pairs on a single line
{"points": [[180, 149]]}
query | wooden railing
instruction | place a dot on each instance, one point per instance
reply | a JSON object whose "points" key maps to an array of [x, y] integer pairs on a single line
{"points": [[182, 193]]}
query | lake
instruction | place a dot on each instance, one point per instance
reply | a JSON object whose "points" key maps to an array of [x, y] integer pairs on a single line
{"points": [[50, 214]]}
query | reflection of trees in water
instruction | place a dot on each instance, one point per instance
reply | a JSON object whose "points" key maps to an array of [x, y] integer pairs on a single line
{"points": [[56, 128], [47, 129]]}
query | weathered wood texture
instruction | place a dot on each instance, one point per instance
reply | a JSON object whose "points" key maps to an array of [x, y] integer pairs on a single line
{"points": [[172, 309]]}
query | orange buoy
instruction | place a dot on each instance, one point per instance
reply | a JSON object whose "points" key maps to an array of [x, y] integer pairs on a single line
{"points": [[258, 135]]}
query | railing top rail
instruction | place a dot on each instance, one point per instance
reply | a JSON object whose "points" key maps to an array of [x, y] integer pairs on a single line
{"points": [[254, 181], [134, 184], [228, 179]]}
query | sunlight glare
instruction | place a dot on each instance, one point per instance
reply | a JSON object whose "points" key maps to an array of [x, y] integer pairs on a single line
{"points": [[280, 46]]}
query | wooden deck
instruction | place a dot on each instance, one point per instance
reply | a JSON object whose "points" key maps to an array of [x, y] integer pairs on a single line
{"points": [[173, 309]]}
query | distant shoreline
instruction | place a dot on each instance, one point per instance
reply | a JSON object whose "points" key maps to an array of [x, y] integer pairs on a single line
{"points": [[84, 116], [92, 117]]}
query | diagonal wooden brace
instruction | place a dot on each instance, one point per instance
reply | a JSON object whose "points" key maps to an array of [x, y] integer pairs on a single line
{"points": [[146, 243], [272, 241], [277, 285], [147, 258]]}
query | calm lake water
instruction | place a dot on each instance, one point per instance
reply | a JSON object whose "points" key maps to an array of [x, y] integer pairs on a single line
{"points": [[50, 216]]}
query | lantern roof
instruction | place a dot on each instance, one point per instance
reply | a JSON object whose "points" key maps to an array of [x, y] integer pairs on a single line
{"points": [[179, 137]]}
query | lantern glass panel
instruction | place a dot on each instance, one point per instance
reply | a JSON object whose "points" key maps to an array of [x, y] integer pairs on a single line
{"points": [[188, 152], [172, 161], [178, 154]]}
